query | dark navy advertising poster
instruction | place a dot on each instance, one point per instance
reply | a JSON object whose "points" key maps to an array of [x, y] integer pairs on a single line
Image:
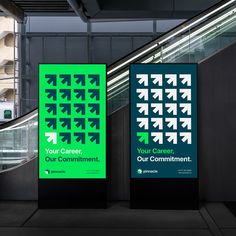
{"points": [[163, 118]]}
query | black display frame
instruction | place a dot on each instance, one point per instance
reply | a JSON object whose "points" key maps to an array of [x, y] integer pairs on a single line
{"points": [[72, 193], [164, 193]]}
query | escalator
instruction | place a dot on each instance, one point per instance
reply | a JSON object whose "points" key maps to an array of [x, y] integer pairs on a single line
{"points": [[193, 41], [19, 141]]}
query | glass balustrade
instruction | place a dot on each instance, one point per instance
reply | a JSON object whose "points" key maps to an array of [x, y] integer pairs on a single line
{"points": [[18, 142]]}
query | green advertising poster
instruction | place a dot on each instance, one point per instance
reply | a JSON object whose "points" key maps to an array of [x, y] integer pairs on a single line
{"points": [[72, 121]]}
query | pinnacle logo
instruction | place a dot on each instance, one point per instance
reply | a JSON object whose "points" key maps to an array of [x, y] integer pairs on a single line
{"points": [[139, 171]]}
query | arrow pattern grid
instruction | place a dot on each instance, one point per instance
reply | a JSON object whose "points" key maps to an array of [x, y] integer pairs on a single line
{"points": [[84, 125], [164, 108]]}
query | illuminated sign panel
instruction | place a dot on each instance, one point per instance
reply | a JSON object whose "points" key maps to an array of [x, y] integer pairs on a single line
{"points": [[72, 121], [163, 115]]}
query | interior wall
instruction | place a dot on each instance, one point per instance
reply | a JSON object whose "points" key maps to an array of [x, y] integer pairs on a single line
{"points": [[217, 129], [118, 155], [70, 40], [71, 48]]}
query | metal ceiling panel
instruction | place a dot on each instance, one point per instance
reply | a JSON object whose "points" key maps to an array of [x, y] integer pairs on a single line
{"points": [[43, 6]]}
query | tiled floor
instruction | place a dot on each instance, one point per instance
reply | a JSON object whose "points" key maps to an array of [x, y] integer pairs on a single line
{"points": [[23, 218]]}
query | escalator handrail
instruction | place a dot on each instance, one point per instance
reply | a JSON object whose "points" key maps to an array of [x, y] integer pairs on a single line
{"points": [[208, 13], [19, 120], [30, 158]]}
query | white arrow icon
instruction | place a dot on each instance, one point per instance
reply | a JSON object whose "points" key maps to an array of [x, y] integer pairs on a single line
{"points": [[186, 122], [143, 79], [143, 93], [143, 122], [51, 137], [171, 108], [157, 79], [157, 107], [157, 122], [172, 137], [171, 93], [158, 137], [157, 93], [186, 93], [186, 108], [143, 108], [172, 122], [172, 79], [186, 79], [186, 137]]}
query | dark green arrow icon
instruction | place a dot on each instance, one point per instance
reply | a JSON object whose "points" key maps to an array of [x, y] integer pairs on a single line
{"points": [[65, 123], [80, 93], [94, 122], [66, 137], [80, 122], [94, 137], [51, 93], [66, 108], [94, 108], [51, 122], [94, 79], [80, 108], [52, 79], [94, 93], [80, 137], [66, 79], [80, 79], [51, 108], [66, 94]]}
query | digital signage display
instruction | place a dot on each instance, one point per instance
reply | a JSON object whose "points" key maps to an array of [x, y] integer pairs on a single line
{"points": [[72, 121], [163, 120]]}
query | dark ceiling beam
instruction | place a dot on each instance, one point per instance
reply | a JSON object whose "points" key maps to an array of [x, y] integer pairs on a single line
{"points": [[92, 7], [78, 9], [9, 8]]}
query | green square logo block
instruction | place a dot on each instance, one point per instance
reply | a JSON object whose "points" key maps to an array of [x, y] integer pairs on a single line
{"points": [[72, 121]]}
